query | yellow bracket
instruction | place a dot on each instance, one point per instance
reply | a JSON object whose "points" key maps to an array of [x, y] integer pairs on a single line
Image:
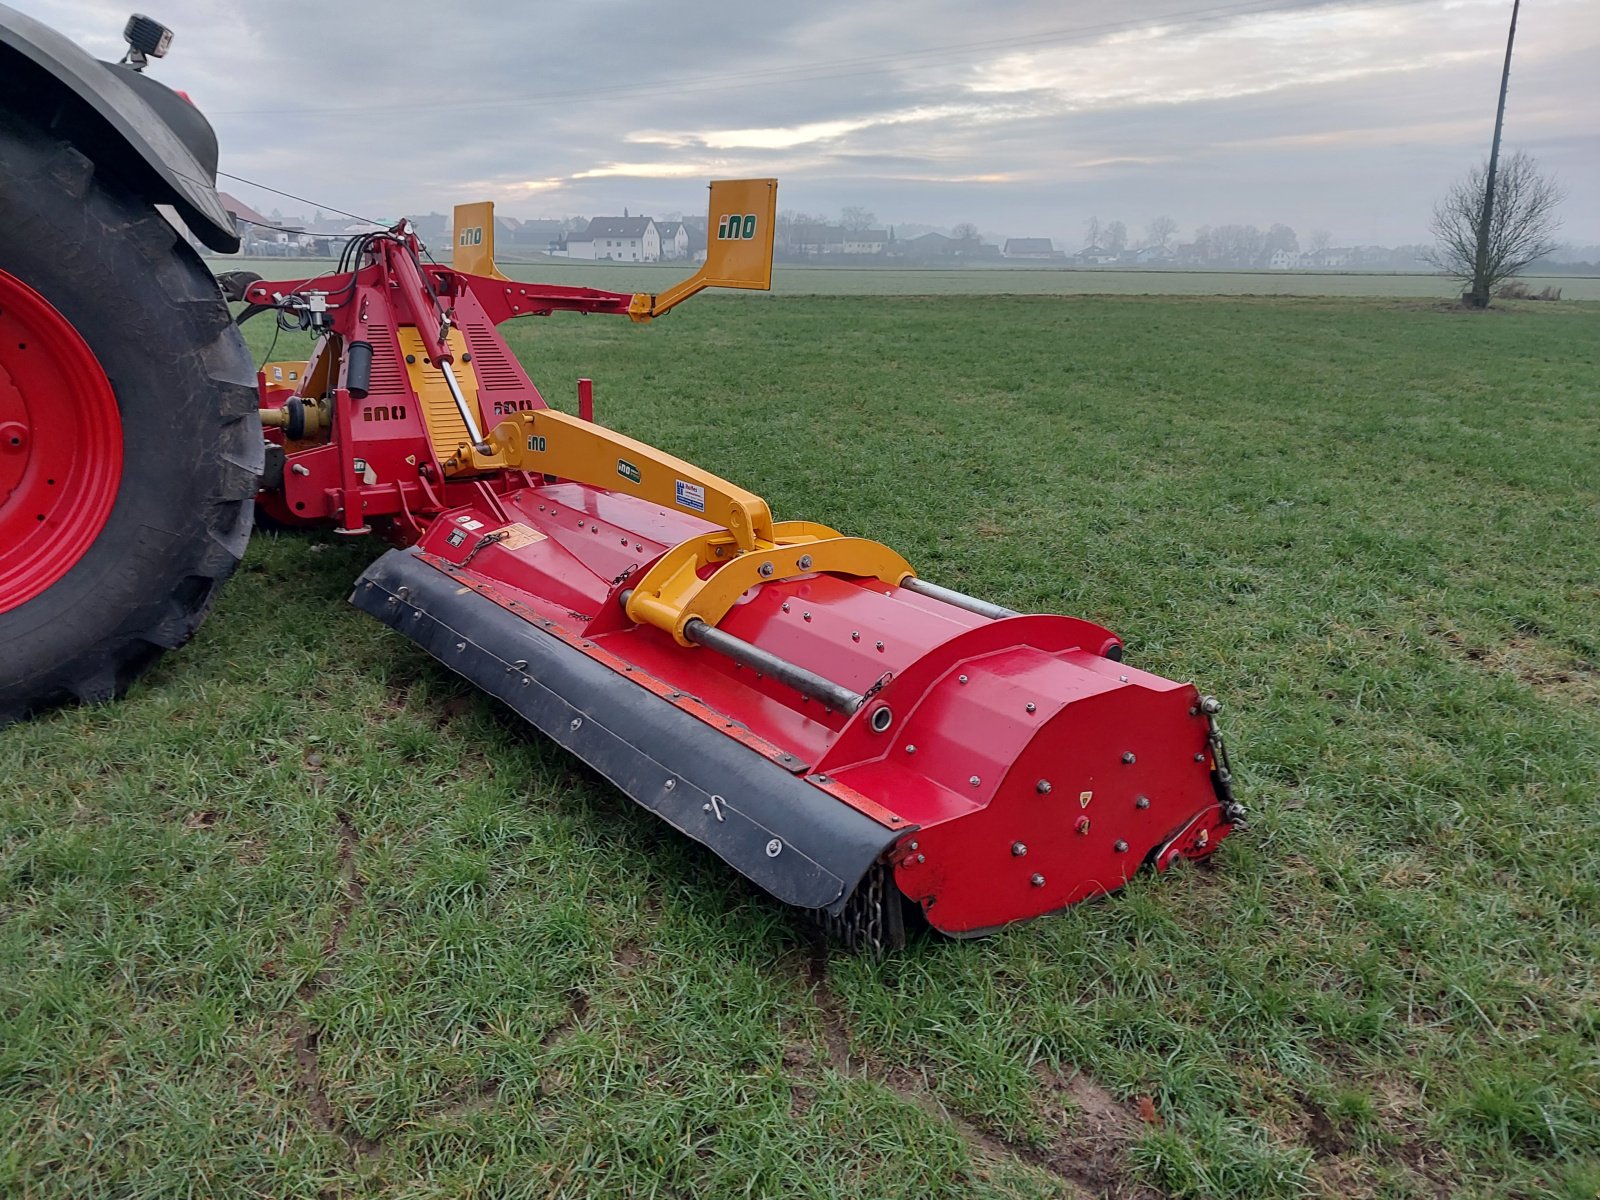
{"points": [[673, 592], [740, 220], [553, 443]]}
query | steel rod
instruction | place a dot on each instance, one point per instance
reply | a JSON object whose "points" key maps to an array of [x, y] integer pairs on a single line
{"points": [[807, 683], [461, 405], [960, 599]]}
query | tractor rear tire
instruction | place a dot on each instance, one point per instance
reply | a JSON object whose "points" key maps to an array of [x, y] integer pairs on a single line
{"points": [[124, 502]]}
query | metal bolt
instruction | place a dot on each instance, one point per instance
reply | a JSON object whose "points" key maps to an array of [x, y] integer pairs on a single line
{"points": [[624, 541], [922, 858], [1037, 881], [804, 562], [785, 606], [1120, 846], [577, 723], [670, 784], [961, 678], [855, 635], [805, 616], [1142, 802], [774, 848], [1018, 849], [1032, 707], [910, 749], [1127, 758], [880, 647], [912, 846], [1122, 679], [580, 524], [1199, 758], [1082, 825], [1042, 787], [765, 570], [1210, 705], [974, 781]]}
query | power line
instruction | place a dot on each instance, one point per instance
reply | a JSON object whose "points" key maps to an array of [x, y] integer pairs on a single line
{"points": [[292, 196]]}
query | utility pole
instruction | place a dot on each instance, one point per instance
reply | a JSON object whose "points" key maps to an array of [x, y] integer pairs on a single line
{"points": [[1479, 296]]}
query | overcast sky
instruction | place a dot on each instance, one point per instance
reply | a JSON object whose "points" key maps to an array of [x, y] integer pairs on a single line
{"points": [[1024, 116]]}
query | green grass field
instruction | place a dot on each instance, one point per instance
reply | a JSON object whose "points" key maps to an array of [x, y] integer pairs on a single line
{"points": [[304, 917], [1032, 280]]}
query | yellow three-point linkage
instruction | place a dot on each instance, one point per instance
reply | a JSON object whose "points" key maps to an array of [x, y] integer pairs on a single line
{"points": [[750, 548]]}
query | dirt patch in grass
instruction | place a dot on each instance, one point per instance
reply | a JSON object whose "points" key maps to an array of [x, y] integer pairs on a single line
{"points": [[1091, 1129], [577, 1010], [1546, 670], [304, 1038]]}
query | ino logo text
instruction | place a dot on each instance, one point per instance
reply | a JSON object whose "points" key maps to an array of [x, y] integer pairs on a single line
{"points": [[736, 227]]}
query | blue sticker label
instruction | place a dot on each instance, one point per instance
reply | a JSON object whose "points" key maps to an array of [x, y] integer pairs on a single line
{"points": [[691, 495]]}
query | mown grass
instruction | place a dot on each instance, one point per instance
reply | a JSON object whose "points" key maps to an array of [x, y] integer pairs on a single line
{"points": [[304, 916]]}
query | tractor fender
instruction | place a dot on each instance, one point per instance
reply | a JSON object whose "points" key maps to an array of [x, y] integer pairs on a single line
{"points": [[126, 124]]}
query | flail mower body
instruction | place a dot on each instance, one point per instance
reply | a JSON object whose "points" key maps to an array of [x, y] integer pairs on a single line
{"points": [[837, 729], [840, 730]]}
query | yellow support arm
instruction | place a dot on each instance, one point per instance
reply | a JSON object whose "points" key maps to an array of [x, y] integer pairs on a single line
{"points": [[740, 223], [749, 550], [673, 591], [553, 443]]}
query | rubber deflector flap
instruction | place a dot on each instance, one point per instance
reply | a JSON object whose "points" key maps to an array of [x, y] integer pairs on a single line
{"points": [[796, 841]]}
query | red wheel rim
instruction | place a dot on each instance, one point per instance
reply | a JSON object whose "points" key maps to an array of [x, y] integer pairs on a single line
{"points": [[60, 444]]}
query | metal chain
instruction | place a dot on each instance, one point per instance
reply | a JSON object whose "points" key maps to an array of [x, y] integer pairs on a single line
{"points": [[1222, 771], [866, 925]]}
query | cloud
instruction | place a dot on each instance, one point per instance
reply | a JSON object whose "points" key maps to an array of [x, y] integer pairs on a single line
{"points": [[1348, 115]]}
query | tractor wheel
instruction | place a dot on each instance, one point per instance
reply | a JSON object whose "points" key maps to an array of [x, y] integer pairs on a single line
{"points": [[129, 442]]}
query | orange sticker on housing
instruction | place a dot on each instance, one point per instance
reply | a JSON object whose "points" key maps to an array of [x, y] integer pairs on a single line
{"points": [[517, 536]]}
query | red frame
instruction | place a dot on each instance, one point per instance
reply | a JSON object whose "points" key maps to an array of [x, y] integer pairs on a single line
{"points": [[1027, 769]]}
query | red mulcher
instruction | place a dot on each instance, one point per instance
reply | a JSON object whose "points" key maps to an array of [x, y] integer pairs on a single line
{"points": [[836, 728]]}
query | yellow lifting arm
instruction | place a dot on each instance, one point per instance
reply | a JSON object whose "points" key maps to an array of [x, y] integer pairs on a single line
{"points": [[749, 550], [553, 443]]}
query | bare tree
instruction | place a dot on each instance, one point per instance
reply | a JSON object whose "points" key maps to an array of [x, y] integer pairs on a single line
{"points": [[1091, 229], [1237, 245], [1519, 228], [857, 218], [1281, 237], [1116, 237], [965, 232], [1159, 232], [1320, 239]]}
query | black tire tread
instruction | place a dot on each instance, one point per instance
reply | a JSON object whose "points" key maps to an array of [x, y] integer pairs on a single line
{"points": [[207, 351]]}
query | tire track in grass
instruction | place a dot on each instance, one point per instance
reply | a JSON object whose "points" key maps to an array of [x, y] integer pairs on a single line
{"points": [[304, 1039], [1088, 1158]]}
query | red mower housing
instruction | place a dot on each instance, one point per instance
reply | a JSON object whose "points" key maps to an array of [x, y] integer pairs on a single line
{"points": [[841, 736]]}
